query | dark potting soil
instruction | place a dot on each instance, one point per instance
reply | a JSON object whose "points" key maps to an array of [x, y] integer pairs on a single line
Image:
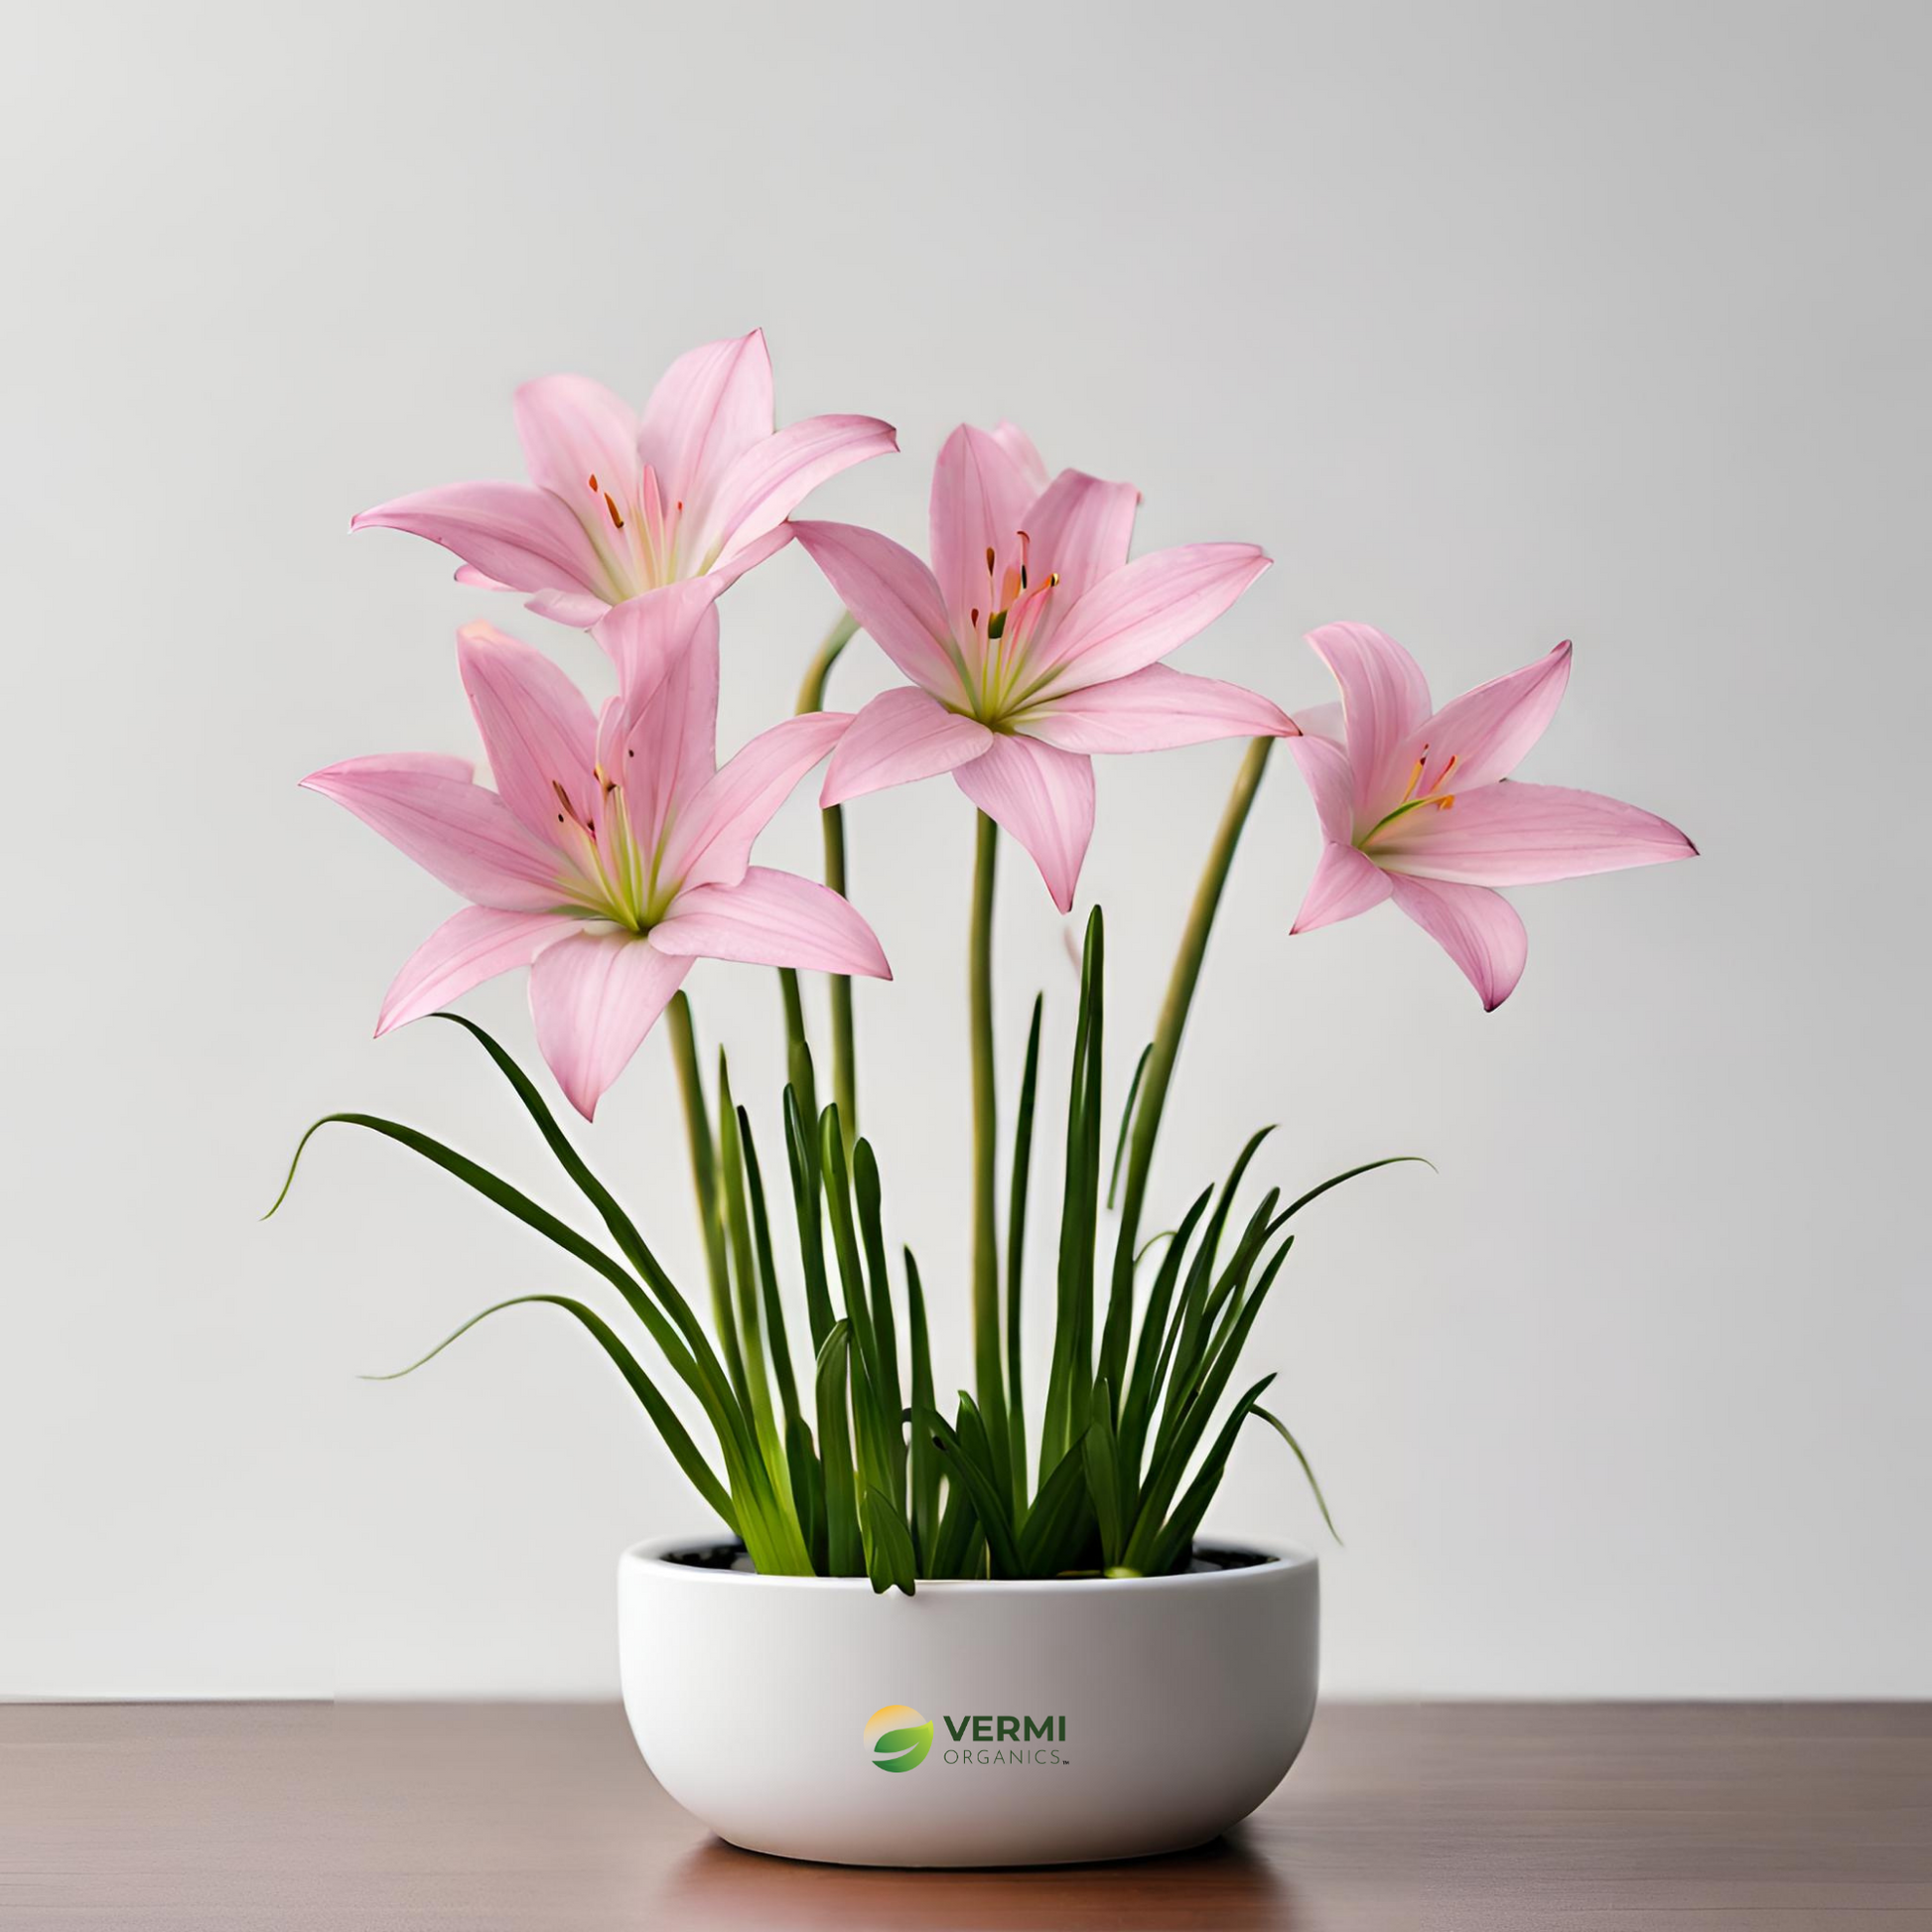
{"points": [[733, 1556]]}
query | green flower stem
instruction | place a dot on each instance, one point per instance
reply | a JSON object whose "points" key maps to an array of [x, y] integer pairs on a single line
{"points": [[845, 1078], [985, 1233], [811, 693], [1173, 1020], [811, 697], [798, 1052], [703, 1182]]}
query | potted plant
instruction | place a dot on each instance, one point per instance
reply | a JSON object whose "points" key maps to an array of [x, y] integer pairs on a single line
{"points": [[1004, 1592]]}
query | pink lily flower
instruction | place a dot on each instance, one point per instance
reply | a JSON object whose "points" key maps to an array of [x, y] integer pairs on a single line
{"points": [[1031, 644], [1418, 805], [615, 505], [614, 851]]}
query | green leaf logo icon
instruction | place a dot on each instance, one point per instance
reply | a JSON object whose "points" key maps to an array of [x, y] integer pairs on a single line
{"points": [[897, 1737]]}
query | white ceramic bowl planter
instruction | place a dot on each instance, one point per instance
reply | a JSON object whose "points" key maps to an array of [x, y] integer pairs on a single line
{"points": [[1017, 1722]]}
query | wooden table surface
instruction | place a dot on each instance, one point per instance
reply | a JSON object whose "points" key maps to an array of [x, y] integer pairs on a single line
{"points": [[199, 1818]]}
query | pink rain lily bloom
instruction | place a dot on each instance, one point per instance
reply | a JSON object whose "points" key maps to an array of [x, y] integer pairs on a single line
{"points": [[1031, 644], [1418, 805], [614, 851], [618, 506]]}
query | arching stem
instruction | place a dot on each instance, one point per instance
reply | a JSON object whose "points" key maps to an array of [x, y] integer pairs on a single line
{"points": [[1173, 1020]]}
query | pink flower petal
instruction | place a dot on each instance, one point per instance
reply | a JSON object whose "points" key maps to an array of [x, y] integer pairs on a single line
{"points": [[1152, 710], [901, 735], [1138, 615], [580, 441], [441, 765], [520, 536], [771, 918], [1323, 765], [1322, 721], [659, 735], [979, 494], [646, 635], [578, 608], [894, 595], [476, 944], [1079, 527], [775, 475], [1384, 700], [710, 843], [1478, 928], [537, 729], [1345, 883], [1512, 834], [594, 998], [453, 829], [710, 406], [1044, 796], [739, 557], [1018, 445], [1488, 730]]}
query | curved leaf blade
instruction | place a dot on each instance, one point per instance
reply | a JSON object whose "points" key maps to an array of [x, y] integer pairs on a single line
{"points": [[676, 1438], [1279, 1427]]}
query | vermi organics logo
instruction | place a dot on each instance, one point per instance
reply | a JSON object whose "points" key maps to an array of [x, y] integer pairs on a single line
{"points": [[899, 1740], [897, 1737]]}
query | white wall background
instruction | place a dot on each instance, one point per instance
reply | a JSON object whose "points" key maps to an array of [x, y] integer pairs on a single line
{"points": [[1497, 323]]}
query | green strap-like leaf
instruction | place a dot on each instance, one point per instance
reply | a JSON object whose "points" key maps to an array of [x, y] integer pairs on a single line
{"points": [[1168, 1465], [766, 1422], [703, 1182], [801, 1161], [1136, 1410], [1368, 1166], [1263, 1223], [513, 1201], [925, 1470], [1127, 1121], [623, 1230], [808, 1489], [1023, 1161], [959, 1531], [844, 1556], [775, 1311], [1176, 1537], [881, 1432], [1060, 1519], [975, 1470], [770, 1548], [1185, 1340], [722, 1406], [1071, 1374], [676, 1438], [889, 1559], [845, 1239], [1201, 1340], [1087, 1345], [872, 1229], [877, 1450], [1101, 1454], [1279, 1427]]}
